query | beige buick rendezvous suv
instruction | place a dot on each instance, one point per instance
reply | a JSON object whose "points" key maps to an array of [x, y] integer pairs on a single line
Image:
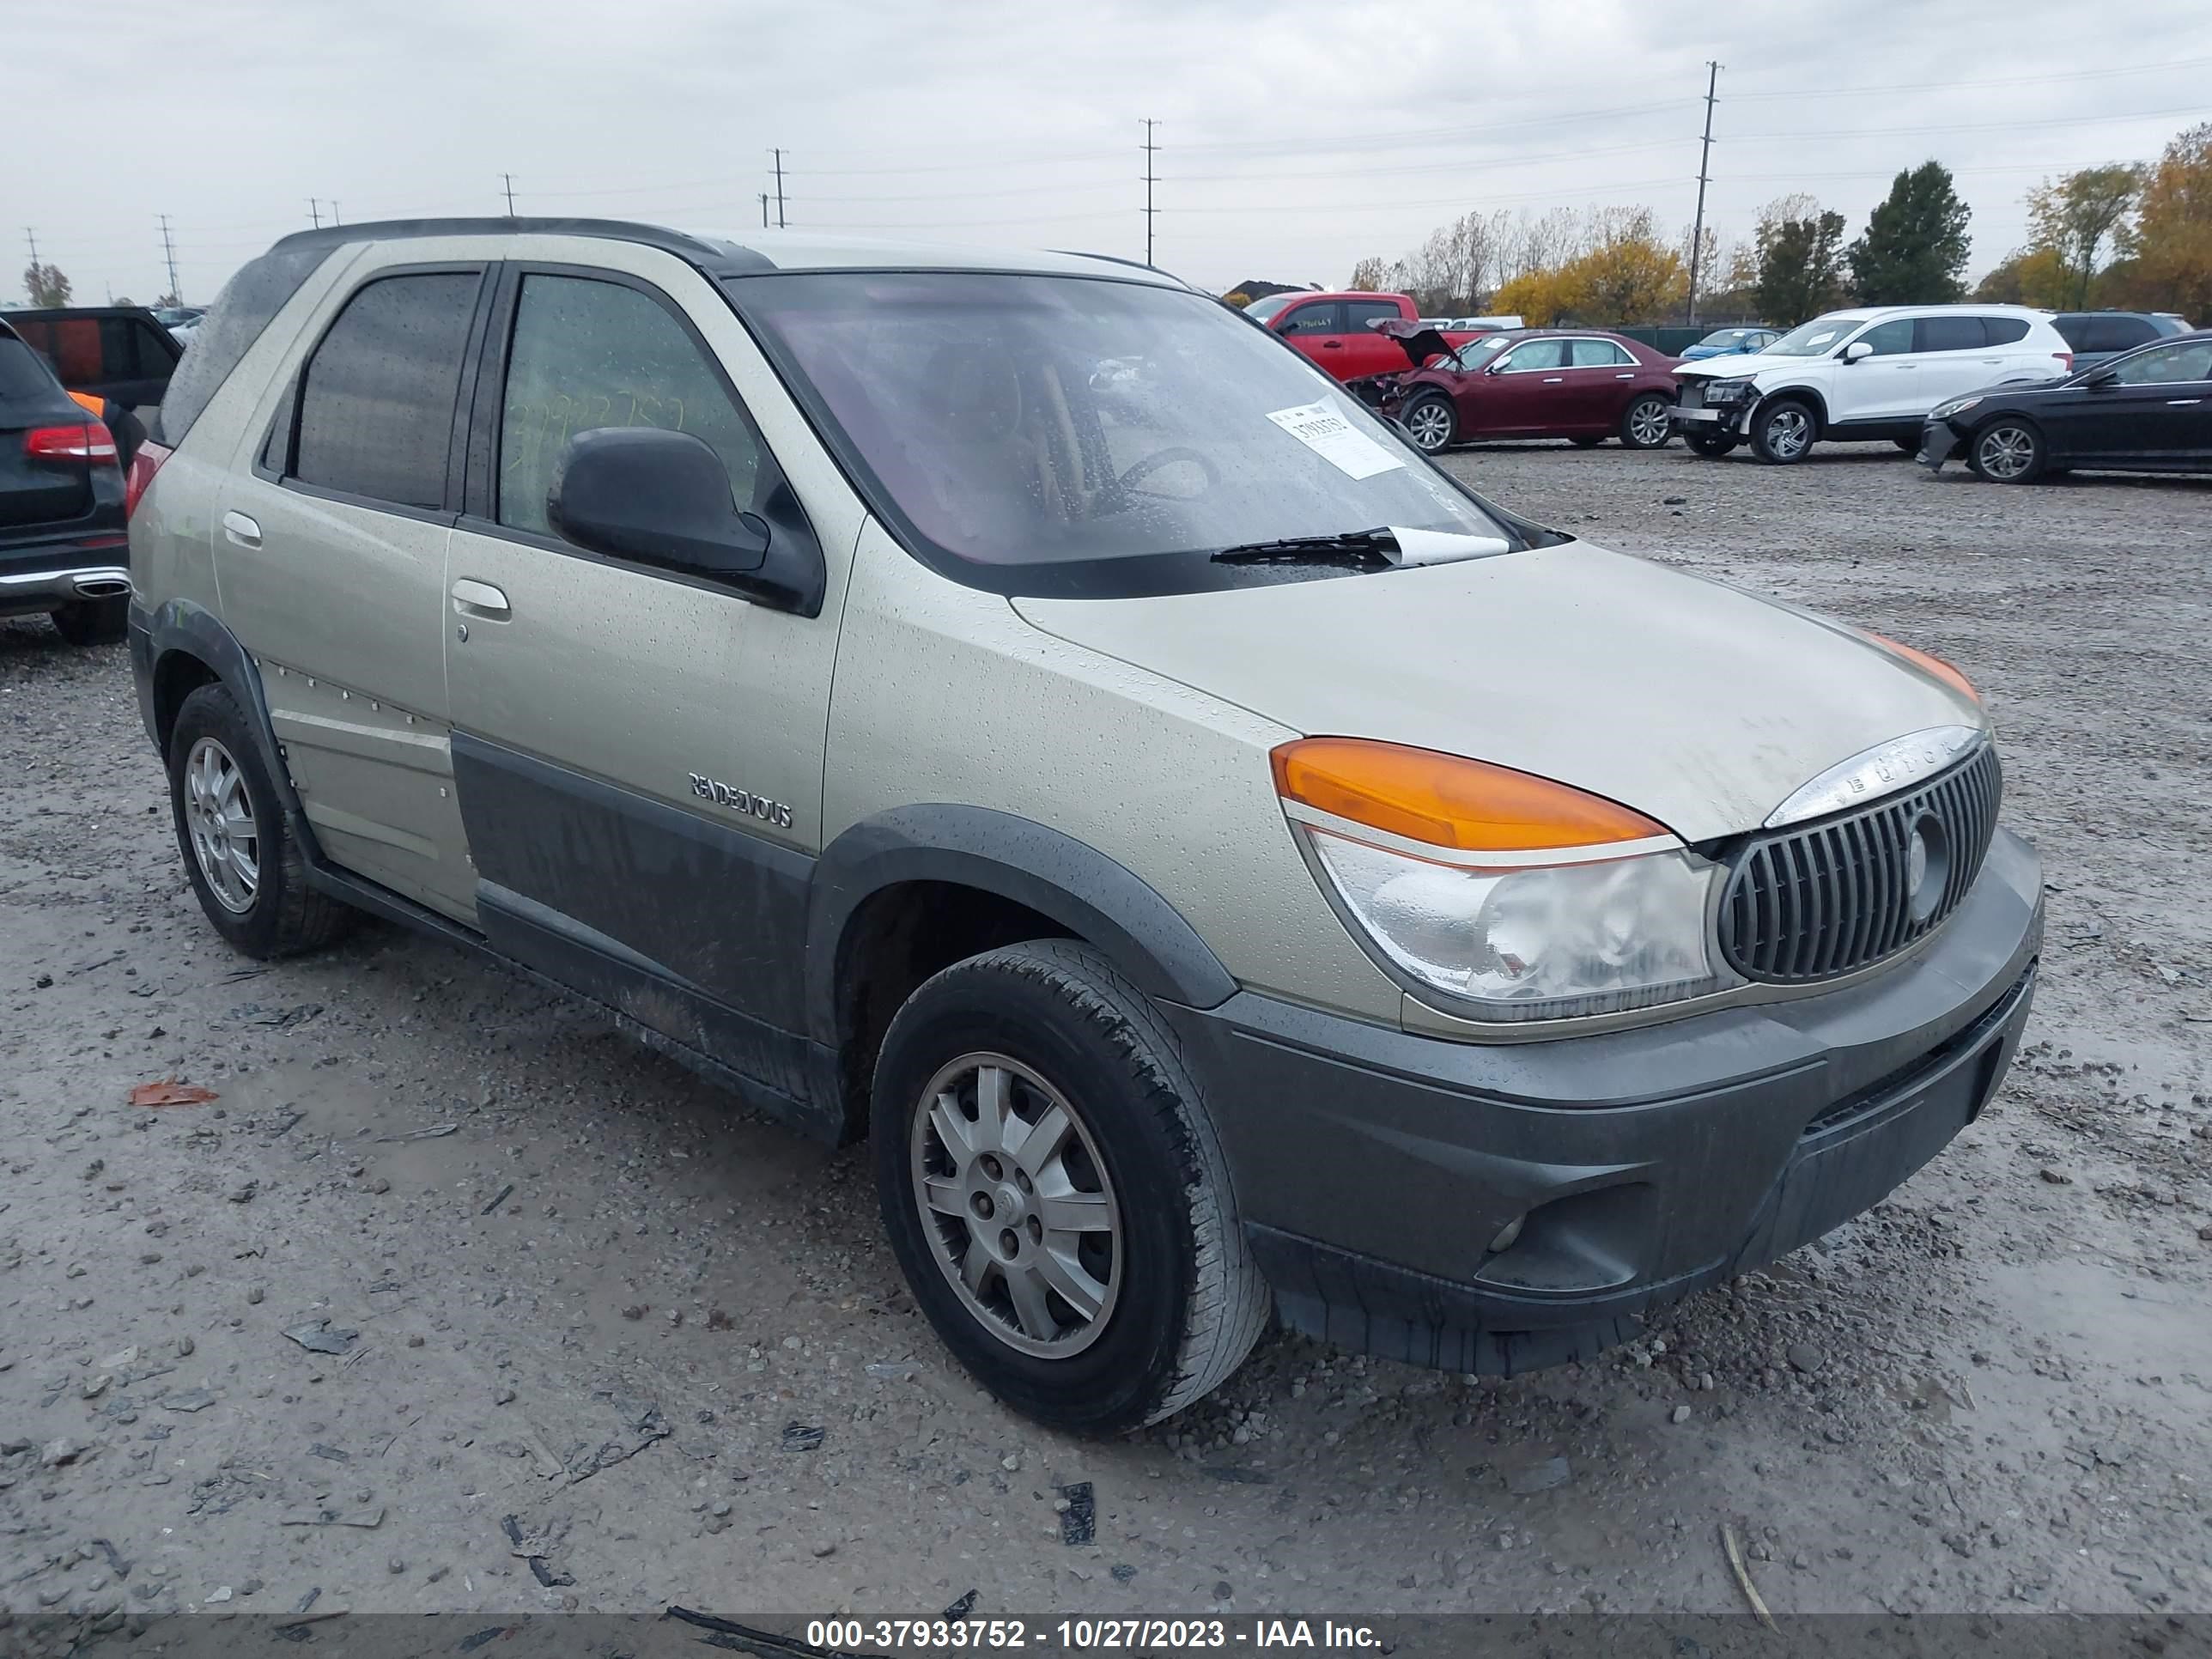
{"points": [[1010, 707]]}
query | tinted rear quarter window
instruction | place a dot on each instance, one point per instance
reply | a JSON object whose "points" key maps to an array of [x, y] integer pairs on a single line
{"points": [[376, 402], [2004, 331], [249, 300]]}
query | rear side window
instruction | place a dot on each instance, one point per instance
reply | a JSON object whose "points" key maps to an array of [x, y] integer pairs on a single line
{"points": [[1949, 334], [588, 353], [249, 300], [1597, 354], [1359, 313], [2118, 333], [2004, 331], [376, 402]]}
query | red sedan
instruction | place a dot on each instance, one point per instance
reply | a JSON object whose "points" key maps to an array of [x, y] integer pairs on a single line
{"points": [[1573, 383]]}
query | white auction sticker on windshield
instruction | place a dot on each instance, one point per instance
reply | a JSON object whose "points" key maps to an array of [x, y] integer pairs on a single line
{"points": [[1335, 439]]}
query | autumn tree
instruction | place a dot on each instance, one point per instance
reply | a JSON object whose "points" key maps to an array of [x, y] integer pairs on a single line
{"points": [[45, 284], [2031, 276], [1539, 298], [2078, 217], [1913, 251], [2172, 242], [1800, 264], [1629, 275], [1368, 276]]}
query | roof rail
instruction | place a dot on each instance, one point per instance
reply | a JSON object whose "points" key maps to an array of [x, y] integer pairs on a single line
{"points": [[714, 258]]}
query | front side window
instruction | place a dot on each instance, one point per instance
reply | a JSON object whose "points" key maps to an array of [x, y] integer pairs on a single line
{"points": [[586, 353], [1312, 319], [2167, 365], [1889, 339], [1597, 354], [1817, 338], [376, 401], [972, 406], [1535, 354], [1476, 355]]}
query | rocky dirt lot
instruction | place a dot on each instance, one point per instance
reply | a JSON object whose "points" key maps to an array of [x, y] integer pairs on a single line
{"points": [[453, 1300]]}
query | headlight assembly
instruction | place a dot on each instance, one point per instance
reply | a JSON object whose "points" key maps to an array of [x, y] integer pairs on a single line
{"points": [[1944, 411], [1522, 897]]}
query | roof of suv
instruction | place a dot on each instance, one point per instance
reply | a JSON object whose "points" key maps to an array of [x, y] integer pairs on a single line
{"points": [[754, 253], [1867, 313]]}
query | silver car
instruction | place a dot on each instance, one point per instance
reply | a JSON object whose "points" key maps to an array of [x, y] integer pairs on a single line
{"points": [[1221, 862]]}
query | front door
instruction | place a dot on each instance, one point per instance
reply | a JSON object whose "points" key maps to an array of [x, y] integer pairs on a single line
{"points": [[330, 555], [2157, 406], [1315, 328], [1884, 386], [1524, 391], [639, 753]]}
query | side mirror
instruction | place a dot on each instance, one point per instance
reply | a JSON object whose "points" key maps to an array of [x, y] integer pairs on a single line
{"points": [[2102, 378], [663, 498], [1857, 351]]}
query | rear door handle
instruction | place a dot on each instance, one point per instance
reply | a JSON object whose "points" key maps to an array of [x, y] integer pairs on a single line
{"points": [[238, 528], [482, 598], [1630, 375]]}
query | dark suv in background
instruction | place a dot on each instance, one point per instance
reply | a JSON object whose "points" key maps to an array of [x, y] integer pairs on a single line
{"points": [[2098, 337], [62, 546]]}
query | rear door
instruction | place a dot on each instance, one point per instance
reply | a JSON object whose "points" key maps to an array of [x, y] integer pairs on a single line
{"points": [[330, 554], [1957, 356], [1599, 374], [1364, 350]]}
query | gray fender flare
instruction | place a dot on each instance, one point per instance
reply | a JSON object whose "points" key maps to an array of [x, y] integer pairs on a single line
{"points": [[1018, 858], [180, 625]]}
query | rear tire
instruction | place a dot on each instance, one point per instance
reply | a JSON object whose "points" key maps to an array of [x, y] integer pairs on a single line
{"points": [[1432, 422], [1711, 444], [92, 622], [2007, 450], [249, 873], [1646, 424], [1132, 1193], [1783, 433]]}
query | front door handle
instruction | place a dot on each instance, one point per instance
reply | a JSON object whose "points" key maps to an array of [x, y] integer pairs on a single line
{"points": [[241, 530], [1554, 379], [2183, 402], [481, 597]]}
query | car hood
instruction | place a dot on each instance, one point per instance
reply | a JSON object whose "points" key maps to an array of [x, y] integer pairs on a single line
{"points": [[1696, 704], [1736, 365], [1417, 341]]}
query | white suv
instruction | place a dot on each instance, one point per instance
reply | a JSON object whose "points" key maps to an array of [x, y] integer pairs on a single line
{"points": [[1862, 375]]}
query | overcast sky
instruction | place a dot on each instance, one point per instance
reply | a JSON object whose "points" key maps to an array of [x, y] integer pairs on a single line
{"points": [[1295, 135]]}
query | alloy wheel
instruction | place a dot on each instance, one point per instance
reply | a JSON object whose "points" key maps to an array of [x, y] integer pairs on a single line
{"points": [[1648, 422], [219, 815], [2005, 452], [1017, 1205], [1431, 423], [1788, 432]]}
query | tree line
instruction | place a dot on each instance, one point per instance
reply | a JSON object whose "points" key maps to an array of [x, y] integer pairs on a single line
{"points": [[2136, 236]]}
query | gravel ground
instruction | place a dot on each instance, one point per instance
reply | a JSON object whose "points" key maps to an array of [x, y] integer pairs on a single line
{"points": [[668, 1341]]}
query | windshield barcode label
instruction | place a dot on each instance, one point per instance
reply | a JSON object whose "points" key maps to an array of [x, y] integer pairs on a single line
{"points": [[1335, 439]]}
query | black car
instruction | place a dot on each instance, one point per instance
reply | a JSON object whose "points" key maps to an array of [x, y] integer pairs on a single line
{"points": [[2149, 410], [2098, 337], [62, 546], [119, 351]]}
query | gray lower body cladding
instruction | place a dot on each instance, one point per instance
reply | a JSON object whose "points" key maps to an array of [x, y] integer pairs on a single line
{"points": [[1373, 1168]]}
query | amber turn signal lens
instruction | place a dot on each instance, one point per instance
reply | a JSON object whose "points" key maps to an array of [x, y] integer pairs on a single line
{"points": [[1934, 665], [1446, 801]]}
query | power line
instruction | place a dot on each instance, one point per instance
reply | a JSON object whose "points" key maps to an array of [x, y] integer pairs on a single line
{"points": [[1151, 212], [2002, 81], [779, 187], [1705, 178], [1982, 126]]}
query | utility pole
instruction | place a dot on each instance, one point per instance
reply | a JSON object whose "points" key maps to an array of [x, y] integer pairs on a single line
{"points": [[34, 235], [779, 189], [169, 252], [764, 199], [1704, 172], [315, 212], [1151, 149], [334, 212], [508, 178]]}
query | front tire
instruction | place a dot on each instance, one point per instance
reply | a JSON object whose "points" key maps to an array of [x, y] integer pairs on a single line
{"points": [[1054, 1194], [92, 622], [1783, 433], [1711, 444], [1586, 442], [1432, 423], [1907, 446], [1647, 422], [250, 875], [2008, 451]]}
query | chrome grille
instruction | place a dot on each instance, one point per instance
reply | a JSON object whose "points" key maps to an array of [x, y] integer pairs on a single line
{"points": [[1822, 899]]}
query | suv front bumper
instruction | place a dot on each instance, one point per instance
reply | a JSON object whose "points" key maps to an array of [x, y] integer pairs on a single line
{"points": [[1373, 1167]]}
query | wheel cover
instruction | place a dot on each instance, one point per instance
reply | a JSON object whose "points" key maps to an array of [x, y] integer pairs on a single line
{"points": [[2005, 452], [219, 822], [1431, 423], [1015, 1207], [1789, 431], [1647, 421]]}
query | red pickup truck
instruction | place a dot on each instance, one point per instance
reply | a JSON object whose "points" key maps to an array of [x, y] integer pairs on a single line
{"points": [[1337, 330]]}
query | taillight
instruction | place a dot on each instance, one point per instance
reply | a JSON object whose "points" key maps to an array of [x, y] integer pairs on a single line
{"points": [[89, 442], [143, 466], [2065, 360]]}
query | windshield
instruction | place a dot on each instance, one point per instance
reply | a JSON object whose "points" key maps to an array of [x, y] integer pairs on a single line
{"points": [[1263, 311], [1477, 352], [1811, 339], [1034, 422]]}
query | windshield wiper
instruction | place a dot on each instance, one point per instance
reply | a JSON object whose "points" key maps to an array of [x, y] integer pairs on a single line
{"points": [[1377, 547]]}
